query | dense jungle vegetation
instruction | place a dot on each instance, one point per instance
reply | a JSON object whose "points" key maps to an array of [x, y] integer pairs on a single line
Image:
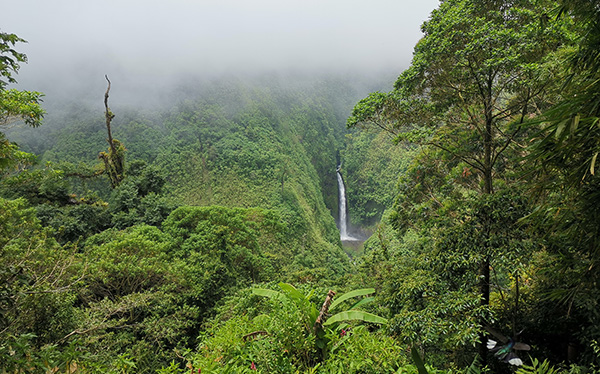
{"points": [[200, 236]]}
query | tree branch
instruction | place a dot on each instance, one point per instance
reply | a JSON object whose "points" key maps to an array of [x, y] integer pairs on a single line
{"points": [[109, 116], [474, 164]]}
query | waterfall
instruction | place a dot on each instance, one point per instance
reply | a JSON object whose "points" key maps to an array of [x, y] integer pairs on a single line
{"points": [[343, 216]]}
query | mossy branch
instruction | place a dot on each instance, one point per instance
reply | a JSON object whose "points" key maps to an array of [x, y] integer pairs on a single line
{"points": [[114, 160]]}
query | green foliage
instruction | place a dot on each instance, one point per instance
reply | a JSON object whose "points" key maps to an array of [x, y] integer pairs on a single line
{"points": [[143, 291], [356, 350], [370, 109], [46, 185], [227, 235], [418, 360], [563, 159], [569, 137], [545, 367], [74, 222], [20, 355], [538, 367], [37, 297], [426, 271], [277, 336], [315, 327], [9, 58], [250, 159], [11, 157], [351, 294], [139, 199], [114, 162], [21, 105], [78, 141], [48, 190], [125, 262], [133, 284], [15, 105], [371, 166], [148, 285], [479, 71], [232, 144], [354, 315]]}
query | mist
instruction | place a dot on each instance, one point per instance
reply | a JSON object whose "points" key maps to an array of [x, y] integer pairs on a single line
{"points": [[149, 47]]}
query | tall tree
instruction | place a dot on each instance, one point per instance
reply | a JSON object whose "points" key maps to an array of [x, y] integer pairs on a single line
{"points": [[476, 76]]}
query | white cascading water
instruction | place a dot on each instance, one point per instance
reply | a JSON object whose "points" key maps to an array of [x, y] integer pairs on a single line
{"points": [[343, 216]]}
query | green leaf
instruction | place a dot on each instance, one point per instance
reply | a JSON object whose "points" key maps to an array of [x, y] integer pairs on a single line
{"points": [[354, 315], [593, 164], [276, 295], [351, 294], [292, 293], [418, 360], [559, 128], [575, 123], [366, 300], [475, 366]]}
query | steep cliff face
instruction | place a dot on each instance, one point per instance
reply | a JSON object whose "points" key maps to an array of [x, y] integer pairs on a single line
{"points": [[266, 151]]}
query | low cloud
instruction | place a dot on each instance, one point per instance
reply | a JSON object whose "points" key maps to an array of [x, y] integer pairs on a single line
{"points": [[74, 43]]}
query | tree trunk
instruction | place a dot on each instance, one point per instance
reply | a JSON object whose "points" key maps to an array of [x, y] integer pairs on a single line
{"points": [[484, 266], [114, 163], [324, 310], [484, 292]]}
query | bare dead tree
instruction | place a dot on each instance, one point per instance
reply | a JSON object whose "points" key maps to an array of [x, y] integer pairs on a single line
{"points": [[114, 160]]}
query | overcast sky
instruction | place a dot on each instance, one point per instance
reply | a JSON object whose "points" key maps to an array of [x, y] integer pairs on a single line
{"points": [[151, 38]]}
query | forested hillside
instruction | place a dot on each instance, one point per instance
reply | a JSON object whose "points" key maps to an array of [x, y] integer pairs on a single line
{"points": [[198, 234], [228, 184], [258, 132]]}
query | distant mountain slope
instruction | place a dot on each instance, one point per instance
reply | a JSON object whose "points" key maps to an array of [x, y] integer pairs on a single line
{"points": [[261, 152], [269, 143]]}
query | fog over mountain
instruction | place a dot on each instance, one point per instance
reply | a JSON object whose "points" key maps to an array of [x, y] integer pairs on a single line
{"points": [[144, 45]]}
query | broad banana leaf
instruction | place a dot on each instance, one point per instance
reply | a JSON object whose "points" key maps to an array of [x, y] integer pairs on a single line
{"points": [[292, 293], [366, 300], [276, 295], [351, 294], [354, 315]]}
